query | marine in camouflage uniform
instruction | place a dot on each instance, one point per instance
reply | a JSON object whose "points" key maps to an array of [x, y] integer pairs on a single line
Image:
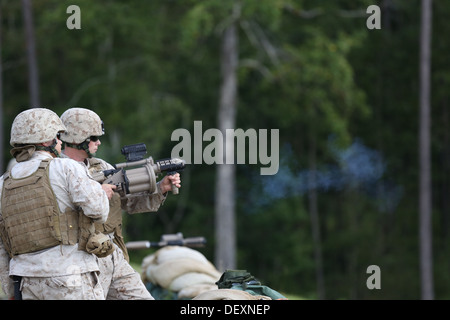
{"points": [[81, 141], [47, 206]]}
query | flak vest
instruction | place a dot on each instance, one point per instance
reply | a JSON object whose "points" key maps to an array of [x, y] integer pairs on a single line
{"points": [[31, 220], [114, 221]]}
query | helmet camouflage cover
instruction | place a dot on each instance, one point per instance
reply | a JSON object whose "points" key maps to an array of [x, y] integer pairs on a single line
{"points": [[34, 126], [81, 124]]}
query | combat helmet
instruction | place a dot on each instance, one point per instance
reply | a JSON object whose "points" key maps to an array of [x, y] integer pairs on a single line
{"points": [[82, 125], [33, 127]]}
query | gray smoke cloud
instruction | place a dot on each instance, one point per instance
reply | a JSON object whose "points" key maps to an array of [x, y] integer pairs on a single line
{"points": [[356, 167]]}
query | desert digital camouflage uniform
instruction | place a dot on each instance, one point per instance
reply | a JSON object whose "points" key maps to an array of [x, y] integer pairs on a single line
{"points": [[119, 280], [61, 271]]}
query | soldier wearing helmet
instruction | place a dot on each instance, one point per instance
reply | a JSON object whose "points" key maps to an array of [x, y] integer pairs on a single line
{"points": [[85, 126], [81, 140], [35, 129], [47, 212]]}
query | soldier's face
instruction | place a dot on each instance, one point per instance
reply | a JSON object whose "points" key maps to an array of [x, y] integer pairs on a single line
{"points": [[93, 146], [58, 145]]}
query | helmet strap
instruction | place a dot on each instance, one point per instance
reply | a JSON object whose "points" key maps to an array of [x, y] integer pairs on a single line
{"points": [[50, 149], [82, 146]]}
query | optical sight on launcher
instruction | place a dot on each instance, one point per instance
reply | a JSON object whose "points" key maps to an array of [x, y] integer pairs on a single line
{"points": [[141, 172]]}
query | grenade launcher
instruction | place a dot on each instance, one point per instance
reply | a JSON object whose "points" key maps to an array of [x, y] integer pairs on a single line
{"points": [[141, 172]]}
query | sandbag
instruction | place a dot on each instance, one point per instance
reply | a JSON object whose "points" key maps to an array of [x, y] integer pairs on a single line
{"points": [[163, 274], [194, 290], [181, 271], [147, 261], [176, 252], [191, 278]]}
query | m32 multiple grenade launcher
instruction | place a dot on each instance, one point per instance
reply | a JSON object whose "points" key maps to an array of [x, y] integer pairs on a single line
{"points": [[139, 174]]}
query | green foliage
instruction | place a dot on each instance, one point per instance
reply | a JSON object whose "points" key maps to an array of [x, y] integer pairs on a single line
{"points": [[310, 69], [279, 237]]}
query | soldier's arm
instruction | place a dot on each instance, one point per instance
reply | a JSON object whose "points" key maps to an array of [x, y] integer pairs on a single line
{"points": [[87, 194]]}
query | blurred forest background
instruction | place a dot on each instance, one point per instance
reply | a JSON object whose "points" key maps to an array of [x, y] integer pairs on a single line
{"points": [[346, 101]]}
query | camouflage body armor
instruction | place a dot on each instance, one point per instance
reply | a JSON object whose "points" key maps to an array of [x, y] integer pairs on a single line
{"points": [[31, 219]]}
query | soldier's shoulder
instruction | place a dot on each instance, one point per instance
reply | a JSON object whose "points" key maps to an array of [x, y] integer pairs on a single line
{"points": [[66, 163], [100, 162], [63, 160]]}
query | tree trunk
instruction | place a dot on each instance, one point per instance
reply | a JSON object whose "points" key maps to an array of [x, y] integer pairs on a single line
{"points": [[33, 78], [425, 207], [225, 229]]}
